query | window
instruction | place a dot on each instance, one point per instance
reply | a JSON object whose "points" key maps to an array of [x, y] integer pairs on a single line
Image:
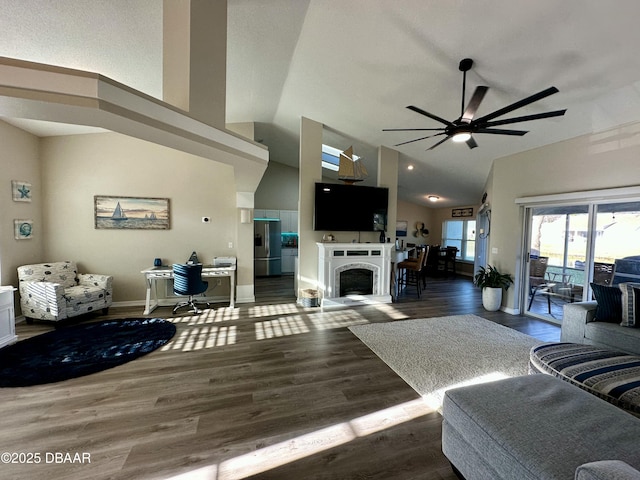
{"points": [[331, 157], [461, 234]]}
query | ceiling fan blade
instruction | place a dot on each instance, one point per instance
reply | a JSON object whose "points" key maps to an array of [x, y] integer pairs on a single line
{"points": [[418, 139], [440, 142], [410, 129], [496, 131], [526, 118], [474, 103], [471, 143], [430, 115], [519, 104]]}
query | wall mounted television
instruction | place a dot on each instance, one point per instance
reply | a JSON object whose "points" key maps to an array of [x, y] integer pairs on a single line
{"points": [[350, 208]]}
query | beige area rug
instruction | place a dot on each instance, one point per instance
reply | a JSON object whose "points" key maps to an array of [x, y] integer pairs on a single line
{"points": [[435, 354]]}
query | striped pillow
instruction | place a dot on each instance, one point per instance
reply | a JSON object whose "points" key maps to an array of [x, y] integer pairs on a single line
{"points": [[609, 303], [629, 304]]}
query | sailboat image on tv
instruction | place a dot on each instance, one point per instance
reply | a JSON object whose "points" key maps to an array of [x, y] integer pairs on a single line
{"points": [[118, 213], [351, 170]]}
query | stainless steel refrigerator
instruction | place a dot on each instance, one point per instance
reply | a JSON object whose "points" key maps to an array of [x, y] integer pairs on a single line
{"points": [[267, 248]]}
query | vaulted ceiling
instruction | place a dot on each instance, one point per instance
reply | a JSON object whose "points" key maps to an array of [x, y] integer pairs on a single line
{"points": [[355, 65]]}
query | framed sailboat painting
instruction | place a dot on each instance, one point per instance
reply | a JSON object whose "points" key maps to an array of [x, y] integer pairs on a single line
{"points": [[140, 213]]}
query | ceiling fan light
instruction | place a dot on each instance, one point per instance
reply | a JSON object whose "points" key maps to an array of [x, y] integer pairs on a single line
{"points": [[461, 137]]}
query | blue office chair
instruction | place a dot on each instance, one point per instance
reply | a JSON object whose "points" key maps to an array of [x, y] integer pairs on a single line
{"points": [[187, 280]]}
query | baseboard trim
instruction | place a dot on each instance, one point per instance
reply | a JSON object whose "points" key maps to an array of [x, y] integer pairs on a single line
{"points": [[169, 302], [510, 311], [244, 293]]}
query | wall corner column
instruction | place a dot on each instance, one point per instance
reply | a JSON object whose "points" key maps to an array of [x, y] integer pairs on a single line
{"points": [[388, 177], [245, 286], [310, 172]]}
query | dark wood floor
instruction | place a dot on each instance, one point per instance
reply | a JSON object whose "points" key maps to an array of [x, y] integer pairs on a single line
{"points": [[268, 390]]}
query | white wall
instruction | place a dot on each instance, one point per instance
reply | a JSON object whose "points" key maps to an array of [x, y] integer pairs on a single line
{"points": [[278, 189], [590, 162], [413, 213], [75, 168]]}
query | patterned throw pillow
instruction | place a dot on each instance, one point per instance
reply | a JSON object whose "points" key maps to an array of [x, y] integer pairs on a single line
{"points": [[609, 303], [629, 304]]}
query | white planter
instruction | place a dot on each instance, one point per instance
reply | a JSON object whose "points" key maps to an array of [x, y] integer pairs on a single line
{"points": [[491, 298]]}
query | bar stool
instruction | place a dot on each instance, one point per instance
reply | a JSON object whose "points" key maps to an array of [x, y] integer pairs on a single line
{"points": [[410, 272]]}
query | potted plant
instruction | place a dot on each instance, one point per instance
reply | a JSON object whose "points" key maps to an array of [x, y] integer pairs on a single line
{"points": [[491, 281]]}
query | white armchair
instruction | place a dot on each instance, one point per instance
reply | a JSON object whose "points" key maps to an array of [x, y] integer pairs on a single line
{"points": [[55, 291]]}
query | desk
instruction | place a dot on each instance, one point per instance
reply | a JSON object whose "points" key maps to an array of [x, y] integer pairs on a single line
{"points": [[165, 272]]}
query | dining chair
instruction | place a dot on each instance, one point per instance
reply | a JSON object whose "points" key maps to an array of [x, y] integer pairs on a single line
{"points": [[447, 261]]}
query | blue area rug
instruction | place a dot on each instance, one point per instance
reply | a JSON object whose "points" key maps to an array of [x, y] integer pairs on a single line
{"points": [[79, 350]]}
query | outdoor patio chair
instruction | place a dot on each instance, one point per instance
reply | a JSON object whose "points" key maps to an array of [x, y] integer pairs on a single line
{"points": [[537, 278]]}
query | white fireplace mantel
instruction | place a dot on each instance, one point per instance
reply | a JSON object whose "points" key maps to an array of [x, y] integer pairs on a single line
{"points": [[335, 258]]}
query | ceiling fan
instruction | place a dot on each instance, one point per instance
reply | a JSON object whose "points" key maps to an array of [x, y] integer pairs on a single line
{"points": [[462, 129]]}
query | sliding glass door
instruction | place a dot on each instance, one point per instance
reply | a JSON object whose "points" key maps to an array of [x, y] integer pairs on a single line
{"points": [[558, 237], [616, 246], [571, 246]]}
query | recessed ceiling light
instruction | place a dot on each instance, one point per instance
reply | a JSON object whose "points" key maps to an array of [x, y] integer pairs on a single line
{"points": [[433, 198], [410, 167]]}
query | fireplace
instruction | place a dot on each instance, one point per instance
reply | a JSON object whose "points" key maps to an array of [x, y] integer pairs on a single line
{"points": [[354, 273], [355, 281]]}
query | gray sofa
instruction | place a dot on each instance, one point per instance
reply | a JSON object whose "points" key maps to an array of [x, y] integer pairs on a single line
{"points": [[578, 326], [537, 427]]}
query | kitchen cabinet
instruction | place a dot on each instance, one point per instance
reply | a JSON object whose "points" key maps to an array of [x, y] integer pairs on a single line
{"points": [[7, 317], [264, 213], [289, 256], [289, 219]]}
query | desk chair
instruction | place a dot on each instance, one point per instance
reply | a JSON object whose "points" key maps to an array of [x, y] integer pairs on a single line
{"points": [[187, 280]]}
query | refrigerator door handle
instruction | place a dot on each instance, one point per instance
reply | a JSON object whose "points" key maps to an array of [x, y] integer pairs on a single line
{"points": [[267, 242]]}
